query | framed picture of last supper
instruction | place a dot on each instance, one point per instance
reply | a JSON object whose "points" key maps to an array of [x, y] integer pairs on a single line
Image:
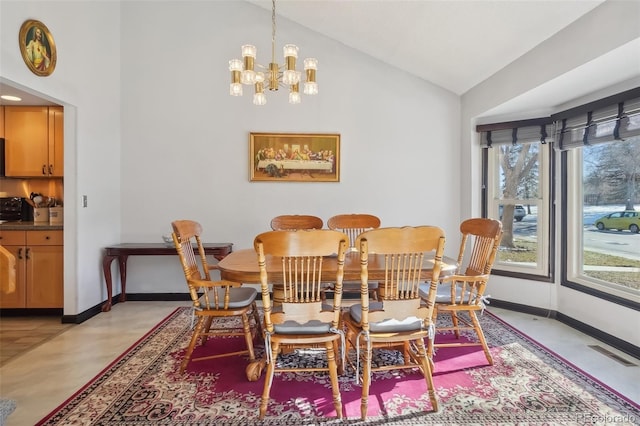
{"points": [[294, 157]]}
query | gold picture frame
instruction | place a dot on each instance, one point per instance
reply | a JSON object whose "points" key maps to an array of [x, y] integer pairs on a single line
{"points": [[37, 47], [294, 157]]}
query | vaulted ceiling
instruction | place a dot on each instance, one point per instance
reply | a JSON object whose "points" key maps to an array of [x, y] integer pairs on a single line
{"points": [[457, 44]]}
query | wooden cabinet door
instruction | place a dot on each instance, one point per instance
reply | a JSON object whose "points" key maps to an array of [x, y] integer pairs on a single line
{"points": [[14, 242], [27, 141], [56, 142], [16, 299], [44, 277]]}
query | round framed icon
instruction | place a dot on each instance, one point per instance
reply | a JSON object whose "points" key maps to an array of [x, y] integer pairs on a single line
{"points": [[37, 47]]}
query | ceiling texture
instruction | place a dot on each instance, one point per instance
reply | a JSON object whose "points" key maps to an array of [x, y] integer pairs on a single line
{"points": [[455, 44]]}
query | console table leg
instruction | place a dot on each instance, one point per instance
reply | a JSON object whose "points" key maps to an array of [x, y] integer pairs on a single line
{"points": [[106, 268], [122, 260]]}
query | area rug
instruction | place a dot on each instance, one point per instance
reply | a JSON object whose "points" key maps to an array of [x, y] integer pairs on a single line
{"points": [[527, 385]]}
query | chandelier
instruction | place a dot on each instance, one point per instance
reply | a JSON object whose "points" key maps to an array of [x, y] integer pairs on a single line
{"points": [[244, 72]]}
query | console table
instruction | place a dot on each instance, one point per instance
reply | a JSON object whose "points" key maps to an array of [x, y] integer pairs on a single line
{"points": [[123, 251]]}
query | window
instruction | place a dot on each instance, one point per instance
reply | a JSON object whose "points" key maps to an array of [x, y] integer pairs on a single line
{"points": [[600, 145], [518, 164]]}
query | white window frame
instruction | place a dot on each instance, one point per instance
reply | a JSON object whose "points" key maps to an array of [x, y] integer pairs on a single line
{"points": [[575, 234], [542, 268]]}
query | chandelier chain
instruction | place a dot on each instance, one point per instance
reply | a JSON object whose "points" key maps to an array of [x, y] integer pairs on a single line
{"points": [[273, 31]]}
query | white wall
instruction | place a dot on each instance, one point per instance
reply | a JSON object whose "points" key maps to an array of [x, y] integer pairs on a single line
{"points": [[185, 141], [158, 138], [86, 82], [554, 59]]}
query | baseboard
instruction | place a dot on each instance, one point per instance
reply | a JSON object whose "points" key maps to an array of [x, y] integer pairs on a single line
{"points": [[158, 297], [30, 312], [525, 309], [610, 340]]}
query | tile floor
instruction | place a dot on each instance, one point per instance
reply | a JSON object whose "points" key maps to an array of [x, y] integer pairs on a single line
{"points": [[50, 372]]}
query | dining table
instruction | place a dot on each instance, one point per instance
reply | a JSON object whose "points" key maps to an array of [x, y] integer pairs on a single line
{"points": [[242, 266]]}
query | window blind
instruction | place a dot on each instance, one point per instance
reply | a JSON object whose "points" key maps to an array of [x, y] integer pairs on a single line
{"points": [[607, 120], [516, 132]]}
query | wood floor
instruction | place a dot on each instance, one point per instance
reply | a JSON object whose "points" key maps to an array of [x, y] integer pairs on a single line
{"points": [[21, 334]]}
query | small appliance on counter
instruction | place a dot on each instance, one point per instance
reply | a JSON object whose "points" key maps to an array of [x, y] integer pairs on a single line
{"points": [[15, 209]]}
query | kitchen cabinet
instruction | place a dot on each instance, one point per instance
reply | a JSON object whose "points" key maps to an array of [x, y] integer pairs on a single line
{"points": [[1, 121], [34, 141], [39, 269]]}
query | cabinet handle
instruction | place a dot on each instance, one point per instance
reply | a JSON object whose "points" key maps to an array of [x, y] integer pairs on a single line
{"points": [[44, 169], [50, 169], [47, 237], [27, 253], [20, 253]]}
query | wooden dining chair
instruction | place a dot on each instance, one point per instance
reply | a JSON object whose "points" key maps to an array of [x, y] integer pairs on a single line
{"points": [[401, 320], [302, 320], [292, 222], [213, 300], [353, 225], [462, 294]]}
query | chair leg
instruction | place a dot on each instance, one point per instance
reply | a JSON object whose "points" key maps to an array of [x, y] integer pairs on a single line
{"points": [[197, 332], [268, 379], [333, 375], [336, 347], [432, 364], [454, 319], [256, 317], [366, 379], [406, 356], [427, 372], [248, 337], [207, 328], [483, 341]]}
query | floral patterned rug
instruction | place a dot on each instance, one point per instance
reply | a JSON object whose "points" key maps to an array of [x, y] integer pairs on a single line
{"points": [[527, 385]]}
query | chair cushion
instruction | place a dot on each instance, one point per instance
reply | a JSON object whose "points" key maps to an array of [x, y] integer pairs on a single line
{"points": [[238, 296], [443, 294], [310, 327], [390, 325]]}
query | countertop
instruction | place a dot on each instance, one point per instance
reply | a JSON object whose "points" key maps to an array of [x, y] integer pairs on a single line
{"points": [[30, 226]]}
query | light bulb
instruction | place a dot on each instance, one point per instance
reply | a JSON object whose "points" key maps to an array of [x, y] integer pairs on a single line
{"points": [[248, 50], [311, 88], [294, 97], [290, 77], [311, 64], [235, 89], [259, 99], [290, 50], [248, 77], [235, 65]]}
